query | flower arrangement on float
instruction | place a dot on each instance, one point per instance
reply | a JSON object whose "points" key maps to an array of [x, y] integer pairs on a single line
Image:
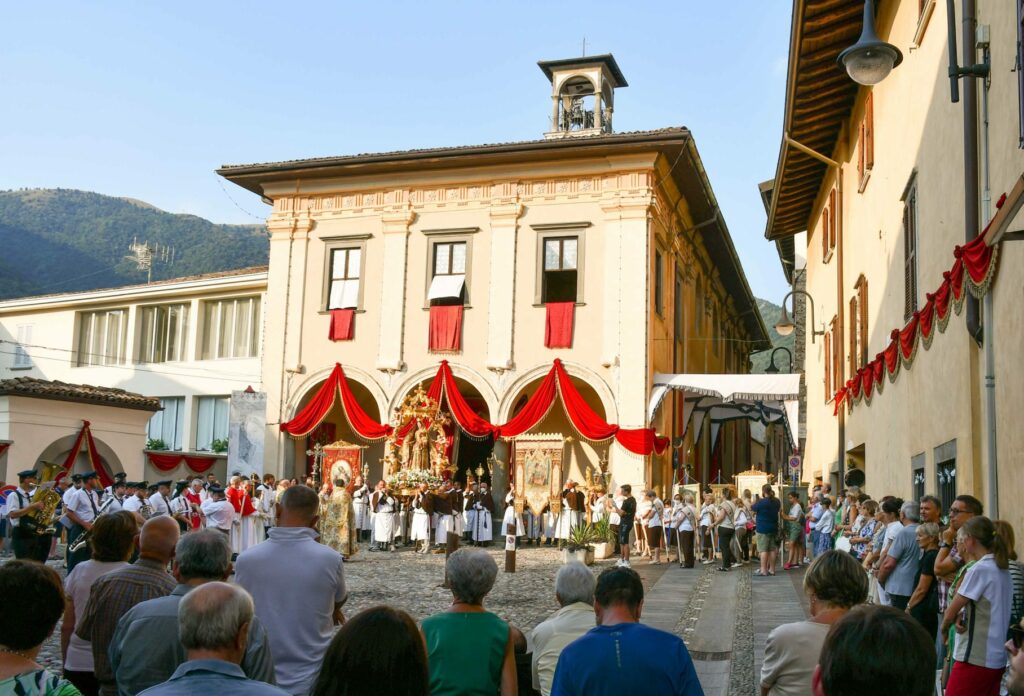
{"points": [[406, 481]]}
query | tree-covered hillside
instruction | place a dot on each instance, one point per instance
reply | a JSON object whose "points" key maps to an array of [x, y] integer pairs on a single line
{"points": [[63, 240], [759, 361]]}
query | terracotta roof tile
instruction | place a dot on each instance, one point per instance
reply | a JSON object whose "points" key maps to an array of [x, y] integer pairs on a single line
{"points": [[79, 393]]}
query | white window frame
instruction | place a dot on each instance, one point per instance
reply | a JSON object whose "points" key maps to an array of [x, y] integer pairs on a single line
{"points": [[555, 231], [147, 342], [202, 443], [449, 236], [343, 243], [22, 359], [88, 322], [155, 428], [210, 347]]}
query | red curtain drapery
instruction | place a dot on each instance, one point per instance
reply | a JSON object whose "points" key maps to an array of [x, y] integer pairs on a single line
{"points": [[973, 271], [445, 328], [558, 324], [164, 462], [342, 324], [320, 405], [461, 411], [198, 463], [85, 437], [3, 447]]}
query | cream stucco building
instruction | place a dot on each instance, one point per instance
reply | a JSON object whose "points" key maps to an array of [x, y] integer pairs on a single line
{"points": [[190, 342], [623, 225], [882, 220]]}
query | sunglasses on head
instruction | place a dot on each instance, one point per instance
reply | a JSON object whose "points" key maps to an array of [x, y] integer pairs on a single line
{"points": [[1017, 636]]}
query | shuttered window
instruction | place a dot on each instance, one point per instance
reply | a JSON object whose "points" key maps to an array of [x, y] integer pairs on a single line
{"points": [[910, 252], [837, 354], [866, 143], [862, 320], [1020, 68], [829, 225], [852, 330]]}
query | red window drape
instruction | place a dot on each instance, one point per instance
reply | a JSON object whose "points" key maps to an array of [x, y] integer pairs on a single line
{"points": [[342, 324], [445, 328], [558, 324], [164, 462]]}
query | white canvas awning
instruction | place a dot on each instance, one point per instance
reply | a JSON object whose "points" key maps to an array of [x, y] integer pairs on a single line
{"points": [[762, 397], [445, 286]]}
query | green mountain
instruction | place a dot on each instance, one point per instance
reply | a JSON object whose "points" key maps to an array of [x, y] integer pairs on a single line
{"points": [[759, 361], [63, 240]]}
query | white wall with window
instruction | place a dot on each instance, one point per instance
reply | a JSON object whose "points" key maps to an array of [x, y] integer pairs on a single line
{"points": [[102, 337], [211, 421], [163, 333], [22, 359], [231, 328], [345, 271], [168, 425]]}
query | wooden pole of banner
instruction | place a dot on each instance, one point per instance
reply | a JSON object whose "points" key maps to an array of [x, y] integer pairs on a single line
{"points": [[510, 554]]}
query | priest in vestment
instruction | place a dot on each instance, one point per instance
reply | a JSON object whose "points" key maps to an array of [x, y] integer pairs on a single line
{"points": [[338, 521]]}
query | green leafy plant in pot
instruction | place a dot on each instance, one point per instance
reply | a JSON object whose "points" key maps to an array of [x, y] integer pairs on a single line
{"points": [[582, 538]]}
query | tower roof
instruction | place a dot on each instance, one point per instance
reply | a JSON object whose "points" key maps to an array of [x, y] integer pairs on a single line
{"points": [[605, 59]]}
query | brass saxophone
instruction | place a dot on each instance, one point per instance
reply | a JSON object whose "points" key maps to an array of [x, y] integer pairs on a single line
{"points": [[44, 521]]}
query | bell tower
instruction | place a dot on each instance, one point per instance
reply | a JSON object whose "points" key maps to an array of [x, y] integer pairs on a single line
{"points": [[582, 95]]}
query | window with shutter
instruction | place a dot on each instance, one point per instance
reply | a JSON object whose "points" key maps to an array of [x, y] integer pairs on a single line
{"points": [[825, 256], [837, 353], [828, 366], [860, 156], [869, 132], [854, 335], [862, 325], [833, 218], [910, 252]]}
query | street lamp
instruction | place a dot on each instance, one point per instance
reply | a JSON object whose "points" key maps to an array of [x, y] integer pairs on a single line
{"points": [[870, 60], [772, 369], [785, 326]]}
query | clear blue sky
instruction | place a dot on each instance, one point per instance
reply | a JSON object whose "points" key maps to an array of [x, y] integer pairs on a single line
{"points": [[146, 99]]}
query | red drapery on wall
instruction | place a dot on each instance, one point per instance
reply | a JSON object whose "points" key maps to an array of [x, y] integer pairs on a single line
{"points": [[320, 405], [198, 463], [972, 272], [85, 437], [164, 462], [342, 323], [558, 324], [445, 328], [556, 383]]}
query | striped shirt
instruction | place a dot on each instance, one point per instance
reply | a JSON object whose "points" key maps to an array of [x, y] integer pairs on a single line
{"points": [[111, 597]]}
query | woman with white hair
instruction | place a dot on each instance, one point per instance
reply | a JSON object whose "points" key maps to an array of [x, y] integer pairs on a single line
{"points": [[469, 649]]}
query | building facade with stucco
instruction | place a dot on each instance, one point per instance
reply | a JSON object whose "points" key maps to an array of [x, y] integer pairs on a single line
{"points": [[622, 230]]}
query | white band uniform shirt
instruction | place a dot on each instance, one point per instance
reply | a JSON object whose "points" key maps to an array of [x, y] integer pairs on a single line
{"points": [[219, 514], [160, 504], [132, 503], [16, 500], [84, 504]]}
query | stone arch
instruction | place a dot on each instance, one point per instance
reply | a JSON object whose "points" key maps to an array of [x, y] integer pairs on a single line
{"points": [[574, 76], [594, 380], [57, 450], [470, 375], [314, 379]]}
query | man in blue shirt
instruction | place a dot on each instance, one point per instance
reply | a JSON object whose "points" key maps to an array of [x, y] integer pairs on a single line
{"points": [[766, 526], [213, 625], [610, 658]]}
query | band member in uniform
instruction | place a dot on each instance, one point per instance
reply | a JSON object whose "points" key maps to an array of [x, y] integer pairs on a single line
{"points": [[138, 502], [83, 508], [384, 520], [217, 511], [27, 544], [114, 500], [483, 525], [361, 505], [573, 505], [76, 485], [422, 510], [160, 501], [119, 477]]}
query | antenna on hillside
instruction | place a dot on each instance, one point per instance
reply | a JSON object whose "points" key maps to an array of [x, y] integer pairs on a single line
{"points": [[145, 255]]}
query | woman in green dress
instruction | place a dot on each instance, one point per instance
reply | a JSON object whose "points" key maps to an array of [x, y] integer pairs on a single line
{"points": [[33, 602], [469, 649]]}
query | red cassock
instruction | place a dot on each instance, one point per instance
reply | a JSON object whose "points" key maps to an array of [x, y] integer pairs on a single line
{"points": [[241, 501], [193, 498]]}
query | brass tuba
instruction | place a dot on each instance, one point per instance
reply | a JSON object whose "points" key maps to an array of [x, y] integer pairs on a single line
{"points": [[44, 521]]}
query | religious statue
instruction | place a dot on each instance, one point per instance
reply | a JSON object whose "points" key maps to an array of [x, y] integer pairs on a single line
{"points": [[420, 449]]}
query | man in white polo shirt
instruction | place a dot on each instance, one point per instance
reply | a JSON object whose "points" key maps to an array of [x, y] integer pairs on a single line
{"points": [[219, 513], [298, 587]]}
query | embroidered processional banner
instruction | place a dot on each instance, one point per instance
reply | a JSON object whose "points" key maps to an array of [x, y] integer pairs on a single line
{"points": [[538, 472], [343, 460]]}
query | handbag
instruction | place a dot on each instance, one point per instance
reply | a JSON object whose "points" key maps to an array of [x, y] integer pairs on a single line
{"points": [[843, 544]]}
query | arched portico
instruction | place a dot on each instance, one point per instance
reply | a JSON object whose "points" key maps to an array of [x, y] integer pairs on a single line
{"points": [[58, 450]]}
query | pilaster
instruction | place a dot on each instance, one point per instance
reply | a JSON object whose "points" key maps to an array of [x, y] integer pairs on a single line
{"points": [[395, 229], [501, 300]]}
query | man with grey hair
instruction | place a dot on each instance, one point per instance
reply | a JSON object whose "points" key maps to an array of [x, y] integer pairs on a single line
{"points": [[298, 587], [574, 592], [142, 654], [213, 626], [900, 565]]}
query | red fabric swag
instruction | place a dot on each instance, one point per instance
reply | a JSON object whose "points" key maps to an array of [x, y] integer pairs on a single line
{"points": [[199, 463], [342, 323], [445, 328], [908, 337], [320, 405], [559, 324], [463, 414], [164, 462], [537, 406], [584, 419], [364, 426], [85, 437]]}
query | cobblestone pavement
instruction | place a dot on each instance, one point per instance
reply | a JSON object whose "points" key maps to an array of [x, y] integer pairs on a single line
{"points": [[679, 600]]}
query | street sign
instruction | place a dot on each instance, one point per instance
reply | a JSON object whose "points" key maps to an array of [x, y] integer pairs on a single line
{"points": [[794, 462]]}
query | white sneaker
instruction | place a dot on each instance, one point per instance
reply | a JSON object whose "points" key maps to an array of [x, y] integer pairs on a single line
{"points": [[625, 564], [618, 563], [735, 565]]}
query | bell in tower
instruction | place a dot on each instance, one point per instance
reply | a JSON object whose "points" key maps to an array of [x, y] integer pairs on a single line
{"points": [[582, 94]]}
